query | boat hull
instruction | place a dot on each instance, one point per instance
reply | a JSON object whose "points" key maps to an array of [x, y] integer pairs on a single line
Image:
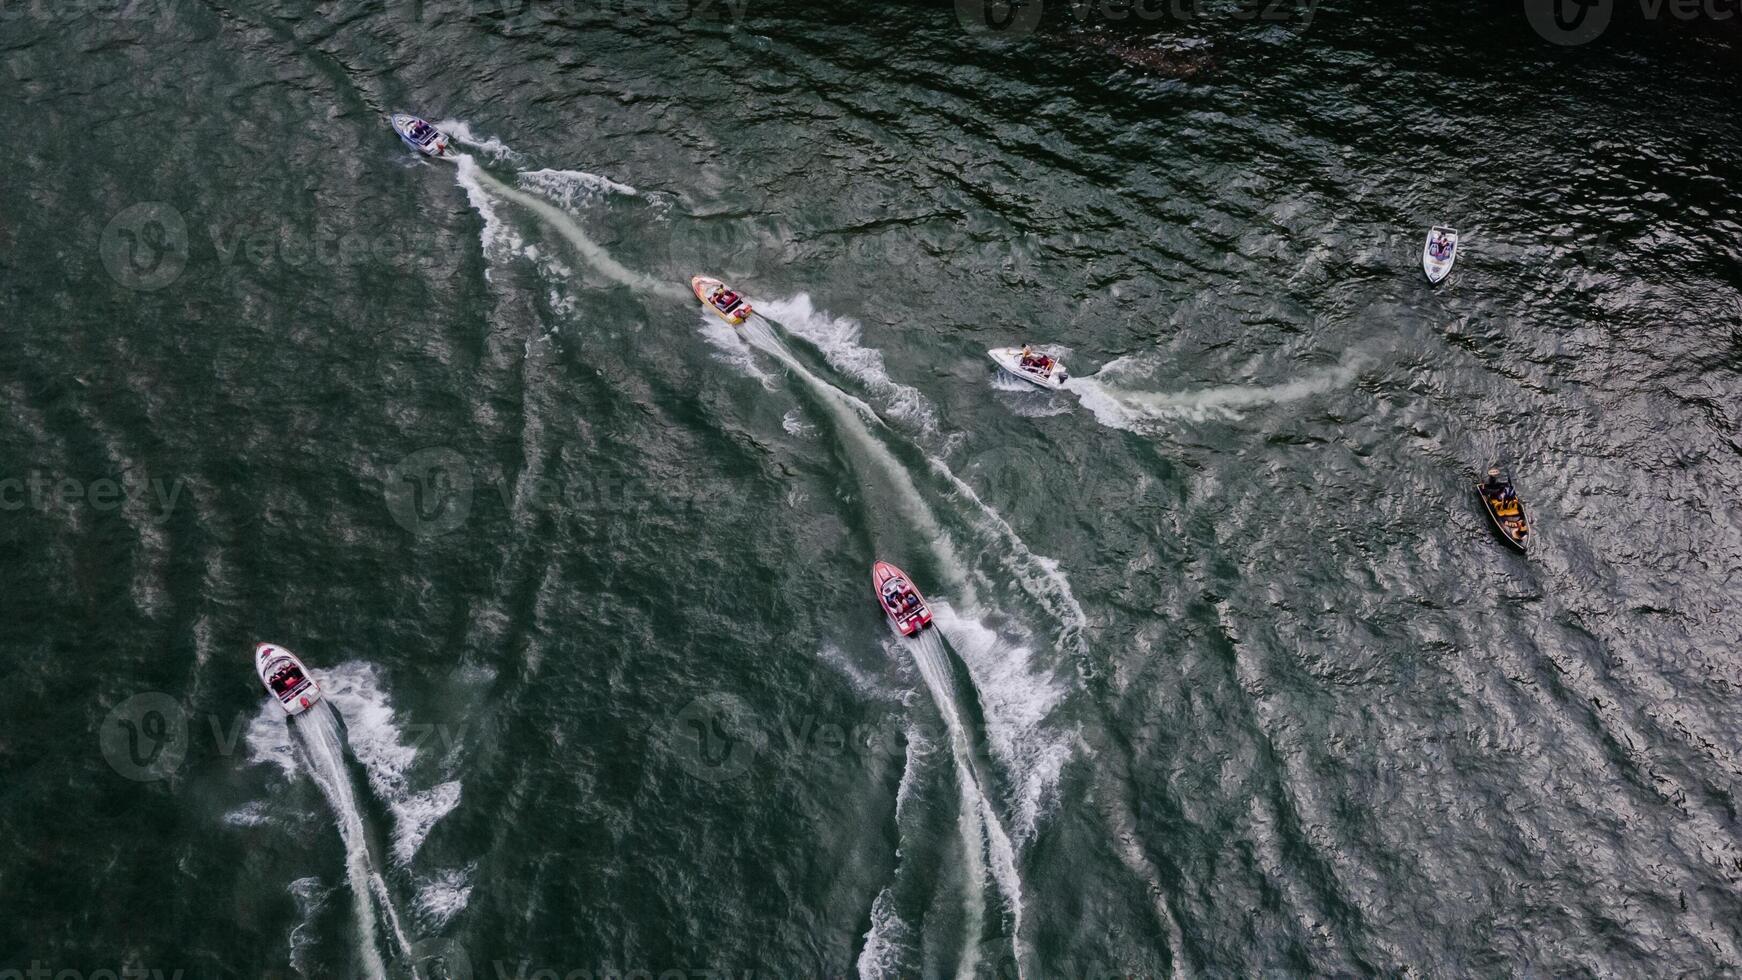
{"points": [[439, 146], [1010, 360], [1438, 269], [295, 693], [705, 286], [1503, 524], [908, 619]]}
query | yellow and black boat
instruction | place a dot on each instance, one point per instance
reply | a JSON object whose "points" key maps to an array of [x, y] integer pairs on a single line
{"points": [[1500, 500]]}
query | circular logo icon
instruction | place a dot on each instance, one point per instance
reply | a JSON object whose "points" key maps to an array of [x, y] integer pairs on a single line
{"points": [[430, 492], [1569, 23], [1011, 18], [145, 738], [146, 246], [434, 959], [716, 737]]}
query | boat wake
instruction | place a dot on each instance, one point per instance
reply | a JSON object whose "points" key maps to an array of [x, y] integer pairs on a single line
{"points": [[1121, 407], [472, 175], [320, 742], [355, 714], [984, 841], [838, 338]]}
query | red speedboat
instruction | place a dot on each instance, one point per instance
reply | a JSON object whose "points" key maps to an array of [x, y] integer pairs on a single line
{"points": [[901, 602]]}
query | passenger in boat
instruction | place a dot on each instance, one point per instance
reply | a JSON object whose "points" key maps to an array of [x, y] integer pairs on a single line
{"points": [[1441, 247], [418, 130], [725, 299]]}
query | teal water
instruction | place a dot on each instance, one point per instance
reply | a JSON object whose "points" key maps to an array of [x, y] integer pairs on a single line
{"points": [[1230, 677]]}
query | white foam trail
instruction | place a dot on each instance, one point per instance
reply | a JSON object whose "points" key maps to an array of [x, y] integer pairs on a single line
{"points": [[837, 338], [356, 691], [730, 348], [884, 942], [572, 188], [1038, 575], [853, 415], [318, 736], [1015, 704], [310, 898], [494, 148], [1142, 411], [443, 896], [564, 225], [983, 836]]}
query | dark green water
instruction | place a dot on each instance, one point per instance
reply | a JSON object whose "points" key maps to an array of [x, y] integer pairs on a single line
{"points": [[1232, 679]]}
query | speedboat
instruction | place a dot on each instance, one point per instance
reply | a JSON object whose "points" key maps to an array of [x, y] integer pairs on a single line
{"points": [[1041, 370], [285, 678], [901, 602], [726, 304], [1504, 508], [422, 136], [1439, 252]]}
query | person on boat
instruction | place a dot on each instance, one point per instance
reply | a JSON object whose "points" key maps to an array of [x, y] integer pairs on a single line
{"points": [[1441, 247], [1496, 484], [1034, 362], [419, 129], [725, 299]]}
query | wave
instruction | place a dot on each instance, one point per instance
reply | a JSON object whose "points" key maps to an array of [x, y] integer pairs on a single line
{"points": [[444, 895], [572, 188], [355, 689], [1015, 703], [559, 220], [310, 899], [838, 338], [321, 742], [1039, 576], [855, 418], [1143, 411], [491, 147], [731, 349], [986, 845]]}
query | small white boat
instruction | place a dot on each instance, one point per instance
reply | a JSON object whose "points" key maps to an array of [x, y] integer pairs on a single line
{"points": [[1439, 252], [1040, 370], [421, 135], [285, 677]]}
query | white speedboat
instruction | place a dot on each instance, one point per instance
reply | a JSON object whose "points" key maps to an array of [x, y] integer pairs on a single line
{"points": [[422, 136], [285, 677], [1040, 370], [1439, 252]]}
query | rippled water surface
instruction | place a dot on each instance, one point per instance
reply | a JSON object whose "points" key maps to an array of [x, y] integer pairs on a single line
{"points": [[1229, 677]]}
